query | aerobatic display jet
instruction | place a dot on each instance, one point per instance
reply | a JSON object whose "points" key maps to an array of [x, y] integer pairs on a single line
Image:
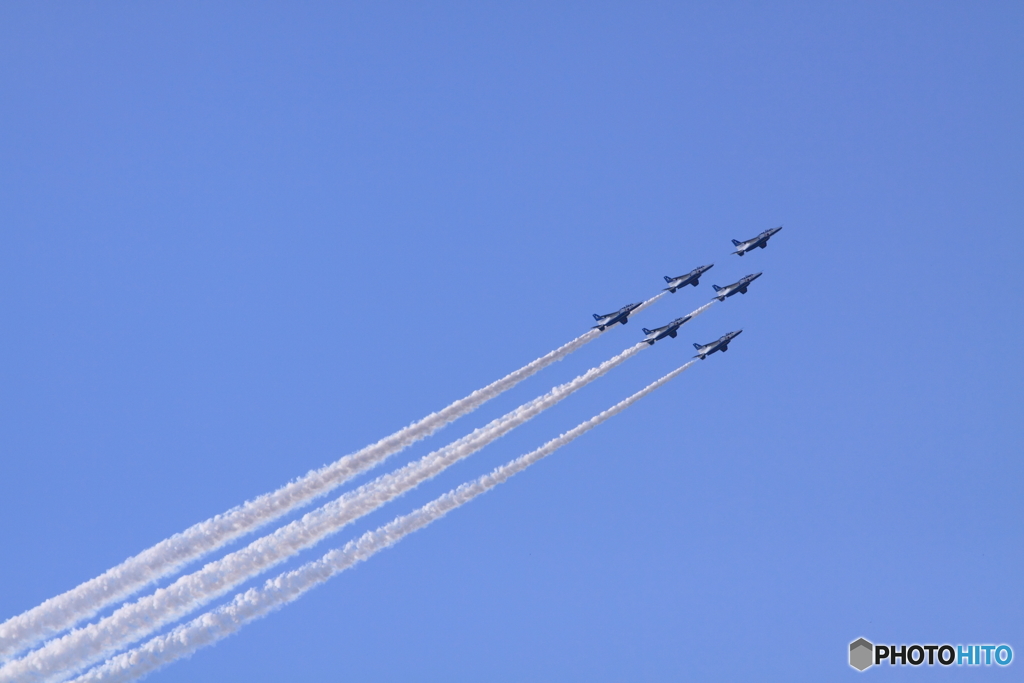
{"points": [[721, 344], [691, 278], [759, 241], [666, 331], [619, 316], [741, 286]]}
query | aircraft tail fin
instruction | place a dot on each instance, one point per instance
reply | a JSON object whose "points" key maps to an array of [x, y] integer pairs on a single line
{"points": [[646, 331], [696, 346], [597, 317], [717, 288], [736, 243], [667, 278]]}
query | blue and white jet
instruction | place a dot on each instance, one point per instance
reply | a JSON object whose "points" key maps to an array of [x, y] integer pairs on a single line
{"points": [[759, 241], [720, 344], [721, 293], [691, 278], [669, 330], [619, 316]]}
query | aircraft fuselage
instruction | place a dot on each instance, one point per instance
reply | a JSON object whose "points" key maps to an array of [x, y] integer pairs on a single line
{"points": [[669, 330], [691, 278], [619, 316], [759, 241], [720, 344], [739, 287]]}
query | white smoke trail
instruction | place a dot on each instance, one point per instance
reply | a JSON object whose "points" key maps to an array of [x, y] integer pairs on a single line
{"points": [[131, 622], [647, 303], [654, 298], [170, 555], [702, 309], [217, 624]]}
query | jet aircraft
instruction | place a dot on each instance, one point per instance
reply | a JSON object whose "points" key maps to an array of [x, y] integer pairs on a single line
{"points": [[759, 241], [720, 344], [619, 316], [691, 278], [741, 286], [666, 331]]}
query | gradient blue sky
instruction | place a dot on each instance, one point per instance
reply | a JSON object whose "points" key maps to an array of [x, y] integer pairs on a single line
{"points": [[241, 241]]}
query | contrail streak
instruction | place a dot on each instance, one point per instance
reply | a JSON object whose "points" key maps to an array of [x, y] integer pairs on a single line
{"points": [[647, 303], [131, 622], [702, 309], [217, 624], [169, 556]]}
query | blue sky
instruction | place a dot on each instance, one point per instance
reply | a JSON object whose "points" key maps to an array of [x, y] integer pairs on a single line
{"points": [[241, 241]]}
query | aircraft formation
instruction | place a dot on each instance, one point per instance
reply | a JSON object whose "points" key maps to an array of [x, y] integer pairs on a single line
{"points": [[671, 330], [33, 651]]}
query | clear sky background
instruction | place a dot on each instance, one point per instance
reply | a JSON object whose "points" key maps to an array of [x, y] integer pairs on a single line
{"points": [[239, 242]]}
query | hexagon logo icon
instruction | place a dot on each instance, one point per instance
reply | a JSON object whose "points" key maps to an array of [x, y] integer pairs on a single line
{"points": [[862, 654]]}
